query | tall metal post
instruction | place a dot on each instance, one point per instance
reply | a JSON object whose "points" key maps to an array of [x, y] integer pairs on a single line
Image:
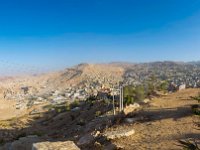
{"points": [[122, 97], [114, 104]]}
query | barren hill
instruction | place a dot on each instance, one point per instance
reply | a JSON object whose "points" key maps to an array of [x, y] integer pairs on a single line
{"points": [[111, 73], [160, 124]]}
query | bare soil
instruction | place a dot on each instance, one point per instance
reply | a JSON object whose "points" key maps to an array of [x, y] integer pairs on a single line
{"points": [[167, 120], [8, 110]]}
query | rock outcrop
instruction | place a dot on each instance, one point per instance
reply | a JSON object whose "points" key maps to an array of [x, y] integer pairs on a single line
{"points": [[111, 135], [67, 145], [129, 109], [24, 143]]}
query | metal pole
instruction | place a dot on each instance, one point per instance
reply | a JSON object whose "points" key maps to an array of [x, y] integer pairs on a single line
{"points": [[122, 98], [114, 104]]}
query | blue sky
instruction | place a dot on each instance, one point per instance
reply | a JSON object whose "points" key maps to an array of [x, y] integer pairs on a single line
{"points": [[54, 34]]}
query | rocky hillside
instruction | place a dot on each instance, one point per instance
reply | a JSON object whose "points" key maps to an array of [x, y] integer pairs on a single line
{"points": [[49, 110], [108, 74], [153, 124], [89, 73], [84, 80]]}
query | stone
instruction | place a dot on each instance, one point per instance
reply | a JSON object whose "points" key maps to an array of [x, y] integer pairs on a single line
{"points": [[116, 134], [67, 145], [98, 146], [129, 109], [24, 143], [60, 116], [86, 140], [76, 109], [146, 101], [131, 120], [110, 146], [96, 134]]}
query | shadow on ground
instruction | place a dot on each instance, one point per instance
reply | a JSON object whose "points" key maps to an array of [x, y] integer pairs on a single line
{"points": [[62, 124], [157, 114]]}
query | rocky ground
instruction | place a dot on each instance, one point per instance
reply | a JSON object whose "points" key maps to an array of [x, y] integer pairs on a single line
{"points": [[158, 124], [167, 120]]}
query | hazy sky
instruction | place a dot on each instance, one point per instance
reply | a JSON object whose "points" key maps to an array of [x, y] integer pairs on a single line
{"points": [[49, 34]]}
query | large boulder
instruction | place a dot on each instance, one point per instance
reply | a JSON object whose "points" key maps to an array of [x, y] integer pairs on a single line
{"points": [[146, 101], [67, 145], [24, 143], [118, 133], [86, 140], [61, 116], [131, 108]]}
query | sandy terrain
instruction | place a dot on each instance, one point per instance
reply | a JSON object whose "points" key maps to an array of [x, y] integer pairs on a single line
{"points": [[167, 120], [8, 110]]}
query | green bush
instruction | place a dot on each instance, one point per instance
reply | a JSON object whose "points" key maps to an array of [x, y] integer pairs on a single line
{"points": [[196, 97], [129, 100], [81, 122], [67, 108], [76, 103], [163, 86], [2, 142], [139, 93], [133, 94], [98, 113]]}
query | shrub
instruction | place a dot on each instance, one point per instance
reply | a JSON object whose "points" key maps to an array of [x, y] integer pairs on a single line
{"points": [[163, 86], [139, 93], [2, 141], [58, 110], [196, 97], [189, 145], [76, 103], [196, 109], [81, 122], [98, 113], [129, 100], [67, 108]]}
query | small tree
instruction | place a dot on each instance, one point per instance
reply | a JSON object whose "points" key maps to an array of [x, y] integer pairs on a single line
{"points": [[129, 94], [133, 94], [163, 86], [129, 100], [139, 93], [150, 88]]}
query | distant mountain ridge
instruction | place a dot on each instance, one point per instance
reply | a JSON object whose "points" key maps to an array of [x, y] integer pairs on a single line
{"points": [[107, 74]]}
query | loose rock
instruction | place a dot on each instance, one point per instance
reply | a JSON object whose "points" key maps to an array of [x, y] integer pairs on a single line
{"points": [[111, 135], [68, 145]]}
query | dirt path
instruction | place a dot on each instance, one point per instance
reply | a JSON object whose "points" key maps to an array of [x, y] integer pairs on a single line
{"points": [[167, 120]]}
